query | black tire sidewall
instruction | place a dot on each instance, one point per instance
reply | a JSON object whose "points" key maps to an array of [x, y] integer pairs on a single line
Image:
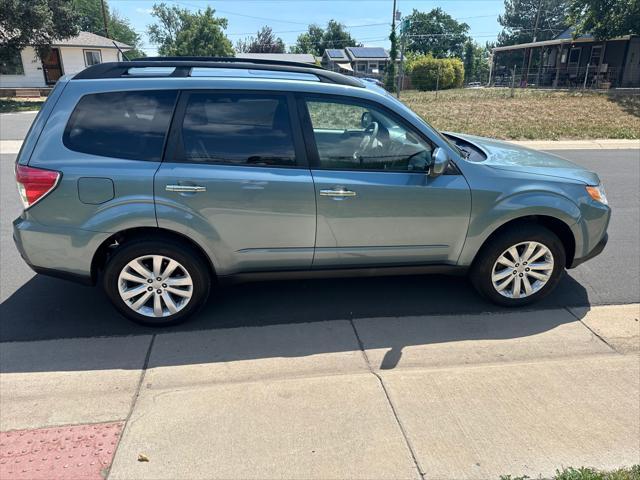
{"points": [[190, 259], [483, 265]]}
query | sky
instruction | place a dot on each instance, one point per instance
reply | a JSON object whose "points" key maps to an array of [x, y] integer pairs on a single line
{"points": [[368, 21]]}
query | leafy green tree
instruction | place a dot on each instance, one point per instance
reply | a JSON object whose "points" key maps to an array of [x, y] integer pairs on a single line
{"points": [[180, 32], [309, 41], [476, 62], [37, 23], [519, 20], [436, 32], [316, 39], [605, 18], [91, 20], [265, 41]]}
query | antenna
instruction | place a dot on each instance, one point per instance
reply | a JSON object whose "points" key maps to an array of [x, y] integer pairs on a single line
{"points": [[121, 52]]}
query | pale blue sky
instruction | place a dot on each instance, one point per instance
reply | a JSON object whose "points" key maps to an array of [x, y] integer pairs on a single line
{"points": [[368, 20]]}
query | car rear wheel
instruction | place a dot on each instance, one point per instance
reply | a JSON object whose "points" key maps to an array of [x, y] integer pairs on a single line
{"points": [[157, 283], [519, 266]]}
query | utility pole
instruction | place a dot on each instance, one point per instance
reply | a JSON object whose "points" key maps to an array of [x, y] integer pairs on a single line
{"points": [[104, 19], [535, 37], [391, 71], [403, 41]]}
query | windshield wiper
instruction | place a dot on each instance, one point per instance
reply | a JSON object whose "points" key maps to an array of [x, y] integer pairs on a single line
{"points": [[464, 151]]}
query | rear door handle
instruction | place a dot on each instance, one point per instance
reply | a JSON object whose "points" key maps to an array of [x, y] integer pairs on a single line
{"points": [[337, 192], [185, 188]]}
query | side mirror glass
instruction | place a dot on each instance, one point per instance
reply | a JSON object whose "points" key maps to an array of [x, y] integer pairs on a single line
{"points": [[439, 162], [366, 119]]}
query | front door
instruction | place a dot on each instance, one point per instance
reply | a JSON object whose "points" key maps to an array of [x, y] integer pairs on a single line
{"points": [[376, 204], [52, 66], [235, 177]]}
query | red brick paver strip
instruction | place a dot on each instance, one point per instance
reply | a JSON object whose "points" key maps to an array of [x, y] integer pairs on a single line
{"points": [[69, 453]]}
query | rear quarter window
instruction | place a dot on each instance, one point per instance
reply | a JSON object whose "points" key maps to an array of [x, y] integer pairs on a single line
{"points": [[127, 125]]}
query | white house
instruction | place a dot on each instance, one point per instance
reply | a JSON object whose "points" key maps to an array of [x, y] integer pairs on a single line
{"points": [[26, 70], [361, 61]]}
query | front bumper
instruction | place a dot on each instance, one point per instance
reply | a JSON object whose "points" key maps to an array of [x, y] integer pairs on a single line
{"points": [[597, 250], [58, 252]]}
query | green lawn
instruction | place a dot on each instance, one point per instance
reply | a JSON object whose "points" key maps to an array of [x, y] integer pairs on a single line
{"points": [[530, 114], [20, 104], [584, 473]]}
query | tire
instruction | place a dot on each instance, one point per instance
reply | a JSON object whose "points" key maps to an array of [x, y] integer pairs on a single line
{"points": [[486, 267], [181, 294]]}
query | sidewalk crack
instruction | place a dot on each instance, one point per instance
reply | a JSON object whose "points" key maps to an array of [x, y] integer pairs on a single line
{"points": [[134, 401], [602, 339], [389, 401]]}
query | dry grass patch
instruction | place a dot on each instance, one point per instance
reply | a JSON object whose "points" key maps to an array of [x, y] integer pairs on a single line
{"points": [[530, 114]]}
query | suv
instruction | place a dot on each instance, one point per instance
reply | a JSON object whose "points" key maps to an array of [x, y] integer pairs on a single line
{"points": [[163, 178]]}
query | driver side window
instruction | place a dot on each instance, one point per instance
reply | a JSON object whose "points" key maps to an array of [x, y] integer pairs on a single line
{"points": [[352, 136]]}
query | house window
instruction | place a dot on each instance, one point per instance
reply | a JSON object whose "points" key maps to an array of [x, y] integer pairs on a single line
{"points": [[10, 62], [596, 53], [362, 67], [92, 57]]}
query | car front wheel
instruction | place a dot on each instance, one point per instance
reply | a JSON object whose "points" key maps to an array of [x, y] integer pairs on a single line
{"points": [[519, 266], [156, 283]]}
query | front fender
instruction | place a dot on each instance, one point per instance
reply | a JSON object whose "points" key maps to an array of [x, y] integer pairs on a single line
{"points": [[488, 216]]}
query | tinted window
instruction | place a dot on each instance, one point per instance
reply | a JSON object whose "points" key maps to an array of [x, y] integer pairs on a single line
{"points": [[238, 129], [129, 125], [351, 136]]}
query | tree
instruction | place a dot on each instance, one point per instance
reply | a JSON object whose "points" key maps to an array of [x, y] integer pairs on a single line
{"points": [[180, 32], [37, 23], [476, 62], [519, 20], [265, 41], [429, 73], [316, 39], [605, 18], [436, 32], [91, 20], [390, 80]]}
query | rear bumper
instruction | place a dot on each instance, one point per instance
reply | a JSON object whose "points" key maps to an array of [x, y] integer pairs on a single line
{"points": [[57, 252], [597, 250]]}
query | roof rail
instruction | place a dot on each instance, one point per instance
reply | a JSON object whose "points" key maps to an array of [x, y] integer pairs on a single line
{"points": [[183, 65]]}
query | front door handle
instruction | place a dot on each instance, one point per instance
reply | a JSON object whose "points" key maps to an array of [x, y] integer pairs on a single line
{"points": [[185, 188], [337, 192]]}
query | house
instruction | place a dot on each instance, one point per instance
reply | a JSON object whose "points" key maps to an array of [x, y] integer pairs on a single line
{"points": [[25, 69], [284, 57], [568, 62], [360, 61]]}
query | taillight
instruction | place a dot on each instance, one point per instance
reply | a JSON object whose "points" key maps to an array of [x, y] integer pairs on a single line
{"points": [[35, 183]]}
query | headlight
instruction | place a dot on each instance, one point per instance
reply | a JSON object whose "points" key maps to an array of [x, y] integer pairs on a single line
{"points": [[597, 193]]}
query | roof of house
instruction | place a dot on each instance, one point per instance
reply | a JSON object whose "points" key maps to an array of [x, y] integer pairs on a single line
{"points": [[87, 39], [286, 57], [367, 53], [336, 54], [568, 33]]}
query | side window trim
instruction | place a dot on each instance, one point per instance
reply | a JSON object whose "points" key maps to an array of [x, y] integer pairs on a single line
{"points": [[175, 148], [312, 148]]}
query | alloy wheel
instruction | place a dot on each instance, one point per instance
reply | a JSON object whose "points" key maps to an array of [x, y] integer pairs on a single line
{"points": [[522, 270], [155, 286]]}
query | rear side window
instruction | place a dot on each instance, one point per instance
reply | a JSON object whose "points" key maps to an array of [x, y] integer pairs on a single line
{"points": [[238, 129], [129, 125]]}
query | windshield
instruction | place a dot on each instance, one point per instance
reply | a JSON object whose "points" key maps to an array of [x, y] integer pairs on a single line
{"points": [[448, 141]]}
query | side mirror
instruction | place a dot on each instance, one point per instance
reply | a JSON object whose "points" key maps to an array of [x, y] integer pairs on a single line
{"points": [[366, 119], [439, 162]]}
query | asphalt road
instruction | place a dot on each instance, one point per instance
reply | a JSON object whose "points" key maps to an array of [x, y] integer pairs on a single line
{"points": [[38, 307]]}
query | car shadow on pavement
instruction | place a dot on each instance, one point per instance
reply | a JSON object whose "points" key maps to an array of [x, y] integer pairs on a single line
{"points": [[47, 308]]}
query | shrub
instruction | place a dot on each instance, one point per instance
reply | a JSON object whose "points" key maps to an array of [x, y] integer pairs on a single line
{"points": [[425, 70]]}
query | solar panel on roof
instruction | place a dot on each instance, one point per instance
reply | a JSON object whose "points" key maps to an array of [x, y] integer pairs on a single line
{"points": [[335, 53], [368, 52]]}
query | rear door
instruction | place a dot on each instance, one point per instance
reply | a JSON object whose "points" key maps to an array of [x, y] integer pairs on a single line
{"points": [[377, 206], [235, 177]]}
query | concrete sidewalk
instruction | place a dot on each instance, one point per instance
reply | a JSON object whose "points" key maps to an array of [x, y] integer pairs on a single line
{"points": [[475, 396]]}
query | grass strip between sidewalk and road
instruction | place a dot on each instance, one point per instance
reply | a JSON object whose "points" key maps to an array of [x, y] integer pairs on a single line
{"points": [[584, 473]]}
